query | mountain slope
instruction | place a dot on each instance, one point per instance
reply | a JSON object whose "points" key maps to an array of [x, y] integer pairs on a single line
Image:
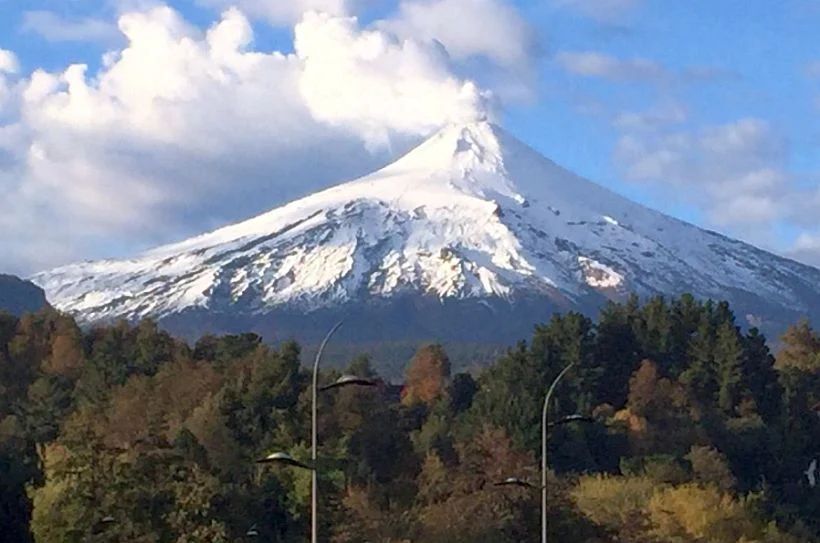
{"points": [[18, 296], [470, 218]]}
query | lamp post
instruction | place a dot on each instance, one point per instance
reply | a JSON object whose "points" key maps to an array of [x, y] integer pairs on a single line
{"points": [[523, 483], [99, 527], [544, 427], [570, 418], [515, 481], [285, 458], [314, 481], [545, 424]]}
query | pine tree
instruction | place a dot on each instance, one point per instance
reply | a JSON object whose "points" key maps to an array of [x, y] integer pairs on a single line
{"points": [[569, 339], [511, 394], [657, 325], [728, 360], [617, 352], [759, 376], [800, 424], [107, 365], [699, 378], [686, 317], [151, 348]]}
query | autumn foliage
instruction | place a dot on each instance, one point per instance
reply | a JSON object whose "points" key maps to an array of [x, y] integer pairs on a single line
{"points": [[692, 433], [427, 376]]}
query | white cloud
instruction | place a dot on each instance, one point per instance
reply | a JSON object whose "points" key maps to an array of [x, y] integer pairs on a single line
{"points": [[283, 12], [8, 62], [651, 119], [489, 28], [373, 83], [736, 172], [806, 248], [9, 66], [596, 64], [182, 130], [489, 39], [56, 28]]}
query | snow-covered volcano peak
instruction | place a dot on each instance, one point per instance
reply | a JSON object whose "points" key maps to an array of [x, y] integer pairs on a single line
{"points": [[468, 158], [472, 214], [468, 146]]}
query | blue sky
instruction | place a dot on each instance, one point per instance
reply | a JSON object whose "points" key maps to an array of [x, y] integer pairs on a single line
{"points": [[705, 110]]}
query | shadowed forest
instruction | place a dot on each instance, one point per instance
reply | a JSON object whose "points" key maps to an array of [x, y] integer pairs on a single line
{"points": [[697, 433]]}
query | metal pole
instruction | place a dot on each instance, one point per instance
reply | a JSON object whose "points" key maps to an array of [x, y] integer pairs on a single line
{"points": [[544, 425], [314, 494]]}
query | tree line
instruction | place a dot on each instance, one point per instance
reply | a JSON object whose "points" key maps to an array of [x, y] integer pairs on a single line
{"points": [[696, 433]]}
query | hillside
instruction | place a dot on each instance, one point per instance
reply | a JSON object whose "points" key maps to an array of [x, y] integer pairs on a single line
{"points": [[18, 296]]}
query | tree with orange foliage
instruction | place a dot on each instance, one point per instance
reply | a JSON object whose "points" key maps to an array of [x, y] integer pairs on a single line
{"points": [[801, 348], [656, 411], [427, 376], [67, 353]]}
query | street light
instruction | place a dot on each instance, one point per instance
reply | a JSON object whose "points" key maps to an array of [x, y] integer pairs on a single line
{"points": [[515, 481], [570, 418], [347, 380], [544, 426], [285, 458], [99, 527]]}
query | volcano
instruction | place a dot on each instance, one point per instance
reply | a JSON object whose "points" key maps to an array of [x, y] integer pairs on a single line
{"points": [[471, 236]]}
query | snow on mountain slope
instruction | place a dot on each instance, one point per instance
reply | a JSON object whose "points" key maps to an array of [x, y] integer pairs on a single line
{"points": [[472, 213]]}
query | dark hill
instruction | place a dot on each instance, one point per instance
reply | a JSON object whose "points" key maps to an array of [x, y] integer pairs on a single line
{"points": [[18, 296]]}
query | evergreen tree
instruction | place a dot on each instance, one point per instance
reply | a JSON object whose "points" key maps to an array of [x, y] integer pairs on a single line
{"points": [[655, 335], [569, 339], [510, 396], [107, 365], [728, 359], [617, 352], [687, 315], [151, 348], [19, 468], [461, 391], [760, 379], [699, 377]]}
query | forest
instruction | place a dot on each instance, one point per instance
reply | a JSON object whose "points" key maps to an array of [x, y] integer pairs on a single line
{"points": [[691, 430]]}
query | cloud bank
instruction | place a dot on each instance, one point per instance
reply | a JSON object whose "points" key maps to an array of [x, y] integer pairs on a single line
{"points": [[183, 129]]}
